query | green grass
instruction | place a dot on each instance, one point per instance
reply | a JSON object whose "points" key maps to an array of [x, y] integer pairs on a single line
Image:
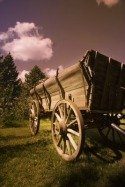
{"points": [[32, 161]]}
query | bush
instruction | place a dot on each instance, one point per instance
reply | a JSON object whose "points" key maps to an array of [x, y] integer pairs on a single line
{"points": [[7, 116]]}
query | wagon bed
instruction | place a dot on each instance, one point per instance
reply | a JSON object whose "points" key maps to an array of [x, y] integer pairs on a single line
{"points": [[96, 83], [89, 92]]}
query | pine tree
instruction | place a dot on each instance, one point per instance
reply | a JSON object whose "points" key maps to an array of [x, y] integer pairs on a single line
{"points": [[31, 79], [9, 85], [34, 77]]}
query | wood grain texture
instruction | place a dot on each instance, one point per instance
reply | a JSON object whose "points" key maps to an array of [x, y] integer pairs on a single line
{"points": [[100, 91]]}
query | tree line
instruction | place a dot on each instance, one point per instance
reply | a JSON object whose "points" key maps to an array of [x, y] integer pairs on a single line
{"points": [[14, 94]]}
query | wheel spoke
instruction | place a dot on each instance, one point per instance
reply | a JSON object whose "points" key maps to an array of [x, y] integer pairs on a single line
{"points": [[68, 147], [58, 117], [32, 112], [65, 111], [69, 114], [56, 132], [120, 137], [60, 111], [60, 140], [112, 130], [72, 141], [35, 124], [113, 135], [108, 132], [73, 132], [64, 148], [72, 122], [56, 128]]}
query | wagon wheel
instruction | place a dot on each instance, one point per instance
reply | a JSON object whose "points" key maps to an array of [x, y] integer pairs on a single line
{"points": [[34, 120], [113, 132], [67, 130]]}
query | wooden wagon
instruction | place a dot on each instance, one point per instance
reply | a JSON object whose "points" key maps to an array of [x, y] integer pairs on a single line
{"points": [[89, 93]]}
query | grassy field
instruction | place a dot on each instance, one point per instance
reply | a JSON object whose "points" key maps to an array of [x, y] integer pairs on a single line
{"points": [[32, 161]]}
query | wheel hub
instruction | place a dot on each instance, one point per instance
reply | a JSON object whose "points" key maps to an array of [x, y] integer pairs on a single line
{"points": [[63, 127]]}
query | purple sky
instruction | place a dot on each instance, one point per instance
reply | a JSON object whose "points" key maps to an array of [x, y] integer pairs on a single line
{"points": [[58, 32]]}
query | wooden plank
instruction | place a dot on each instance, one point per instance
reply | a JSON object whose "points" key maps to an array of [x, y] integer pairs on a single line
{"points": [[71, 80], [120, 97], [105, 85], [99, 76], [110, 86], [91, 60]]}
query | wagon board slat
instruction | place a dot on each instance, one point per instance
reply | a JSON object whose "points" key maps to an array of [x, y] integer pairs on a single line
{"points": [[71, 81], [94, 83]]}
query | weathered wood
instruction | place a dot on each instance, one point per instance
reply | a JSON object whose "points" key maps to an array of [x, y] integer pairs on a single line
{"points": [[71, 80], [95, 83], [111, 85], [120, 97], [99, 76]]}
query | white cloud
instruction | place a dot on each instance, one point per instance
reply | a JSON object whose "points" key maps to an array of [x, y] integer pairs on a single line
{"points": [[52, 72], [22, 75], [30, 48], [109, 3], [24, 29], [3, 36], [25, 43]]}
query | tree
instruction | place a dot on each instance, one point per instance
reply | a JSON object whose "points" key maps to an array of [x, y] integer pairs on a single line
{"points": [[22, 107], [34, 77], [10, 87], [31, 79]]}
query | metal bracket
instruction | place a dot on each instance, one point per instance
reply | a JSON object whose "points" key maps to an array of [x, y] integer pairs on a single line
{"points": [[61, 90], [47, 97], [88, 76], [39, 99]]}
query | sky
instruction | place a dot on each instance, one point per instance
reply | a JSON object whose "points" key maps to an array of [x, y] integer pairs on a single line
{"points": [[57, 33]]}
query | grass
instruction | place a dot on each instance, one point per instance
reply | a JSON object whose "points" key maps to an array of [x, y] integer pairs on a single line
{"points": [[33, 162]]}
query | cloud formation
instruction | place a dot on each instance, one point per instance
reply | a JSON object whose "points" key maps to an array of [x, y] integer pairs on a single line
{"points": [[52, 72], [22, 75], [25, 43], [109, 3]]}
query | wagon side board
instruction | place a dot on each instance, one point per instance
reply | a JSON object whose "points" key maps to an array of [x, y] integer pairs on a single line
{"points": [[73, 84], [107, 82], [95, 83]]}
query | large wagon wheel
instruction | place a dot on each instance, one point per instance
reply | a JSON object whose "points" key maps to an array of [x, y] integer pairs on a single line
{"points": [[34, 120], [67, 130], [113, 130]]}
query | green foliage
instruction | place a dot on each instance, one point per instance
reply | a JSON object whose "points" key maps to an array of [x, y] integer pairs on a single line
{"points": [[14, 95], [22, 107], [10, 87], [34, 77]]}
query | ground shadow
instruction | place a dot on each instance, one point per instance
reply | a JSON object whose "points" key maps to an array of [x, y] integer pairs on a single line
{"points": [[96, 150], [8, 152]]}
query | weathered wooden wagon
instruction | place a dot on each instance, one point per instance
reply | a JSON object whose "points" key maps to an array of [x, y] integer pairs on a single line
{"points": [[89, 93]]}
